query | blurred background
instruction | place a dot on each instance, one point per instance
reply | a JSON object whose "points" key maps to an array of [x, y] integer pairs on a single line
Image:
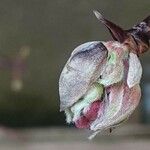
{"points": [[36, 39]]}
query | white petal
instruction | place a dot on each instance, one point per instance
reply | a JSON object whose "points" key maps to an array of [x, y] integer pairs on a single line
{"points": [[135, 70], [80, 72]]}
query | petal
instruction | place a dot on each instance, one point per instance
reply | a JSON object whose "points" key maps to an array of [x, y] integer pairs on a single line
{"points": [[114, 69], [135, 70], [113, 73], [82, 69], [120, 105]]}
